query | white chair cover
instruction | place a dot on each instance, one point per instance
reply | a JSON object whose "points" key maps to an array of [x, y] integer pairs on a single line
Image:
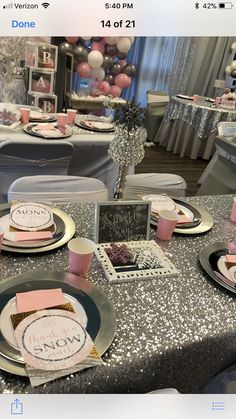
{"points": [[18, 159], [58, 189], [154, 183], [165, 391]]}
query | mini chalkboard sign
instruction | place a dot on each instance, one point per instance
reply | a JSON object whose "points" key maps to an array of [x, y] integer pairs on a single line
{"points": [[122, 221]]}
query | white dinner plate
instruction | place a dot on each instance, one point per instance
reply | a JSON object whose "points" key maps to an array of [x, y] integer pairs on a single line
{"points": [[10, 235], [160, 202], [186, 211], [11, 308], [224, 270]]}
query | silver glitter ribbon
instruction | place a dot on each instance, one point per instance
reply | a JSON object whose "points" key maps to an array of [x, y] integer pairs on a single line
{"points": [[200, 116]]}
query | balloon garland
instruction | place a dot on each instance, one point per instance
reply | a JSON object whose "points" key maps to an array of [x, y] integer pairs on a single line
{"points": [[103, 60]]}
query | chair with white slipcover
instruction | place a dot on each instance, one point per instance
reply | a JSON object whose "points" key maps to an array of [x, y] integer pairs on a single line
{"points": [[19, 158], [157, 102], [154, 183], [58, 189]]}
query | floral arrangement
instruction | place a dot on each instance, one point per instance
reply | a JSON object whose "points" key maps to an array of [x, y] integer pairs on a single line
{"points": [[119, 254]]}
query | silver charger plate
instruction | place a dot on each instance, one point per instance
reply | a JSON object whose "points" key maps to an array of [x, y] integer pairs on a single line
{"points": [[205, 224], [222, 248], [99, 310], [65, 233], [29, 130], [80, 125]]}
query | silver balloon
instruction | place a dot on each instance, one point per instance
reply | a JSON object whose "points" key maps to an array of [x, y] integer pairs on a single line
{"points": [[111, 50], [80, 54], [116, 69], [129, 70], [121, 55], [108, 62], [109, 79], [65, 47]]}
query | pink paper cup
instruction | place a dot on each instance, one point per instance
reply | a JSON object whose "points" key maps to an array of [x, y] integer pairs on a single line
{"points": [[24, 115], [80, 255], [62, 119], [196, 98], [71, 113], [233, 211], [166, 224]]}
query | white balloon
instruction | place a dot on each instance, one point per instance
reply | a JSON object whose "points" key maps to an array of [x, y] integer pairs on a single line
{"points": [[233, 65], [228, 70], [233, 46], [111, 40], [123, 45], [98, 73], [95, 59], [86, 38]]}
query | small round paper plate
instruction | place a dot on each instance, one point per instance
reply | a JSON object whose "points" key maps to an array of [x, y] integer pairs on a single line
{"points": [[66, 223], [160, 202], [11, 308], [209, 257]]}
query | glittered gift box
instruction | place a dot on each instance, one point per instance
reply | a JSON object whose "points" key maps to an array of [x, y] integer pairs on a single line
{"points": [[48, 103], [41, 56]]}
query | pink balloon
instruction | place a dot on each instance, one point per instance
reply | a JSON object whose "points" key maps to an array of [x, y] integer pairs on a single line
{"points": [[122, 63], [98, 46], [72, 39], [122, 81], [115, 91], [84, 70], [104, 87]]}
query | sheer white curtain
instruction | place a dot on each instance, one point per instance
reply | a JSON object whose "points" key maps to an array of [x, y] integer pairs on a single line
{"points": [[180, 64]]}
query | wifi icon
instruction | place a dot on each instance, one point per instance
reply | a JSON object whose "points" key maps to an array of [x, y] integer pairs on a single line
{"points": [[45, 5]]}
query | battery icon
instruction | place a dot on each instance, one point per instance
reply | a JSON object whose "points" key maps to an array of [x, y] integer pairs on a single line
{"points": [[226, 5]]}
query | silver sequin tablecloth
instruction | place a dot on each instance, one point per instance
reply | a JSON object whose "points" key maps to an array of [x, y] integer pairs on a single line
{"points": [[175, 332], [190, 128]]}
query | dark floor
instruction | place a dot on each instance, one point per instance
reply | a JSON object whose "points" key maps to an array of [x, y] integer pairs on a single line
{"points": [[158, 160]]}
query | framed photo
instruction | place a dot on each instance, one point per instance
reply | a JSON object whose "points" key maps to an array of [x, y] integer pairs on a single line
{"points": [[48, 103], [41, 81], [122, 221], [41, 56], [129, 261]]}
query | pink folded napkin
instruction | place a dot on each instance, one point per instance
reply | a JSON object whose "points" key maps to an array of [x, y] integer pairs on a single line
{"points": [[45, 127], [37, 300], [231, 258], [21, 236], [184, 219]]}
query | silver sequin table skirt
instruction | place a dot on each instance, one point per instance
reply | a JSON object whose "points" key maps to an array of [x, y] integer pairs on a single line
{"points": [[189, 129], [171, 332]]}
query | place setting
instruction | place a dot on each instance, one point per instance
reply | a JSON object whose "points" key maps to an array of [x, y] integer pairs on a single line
{"points": [[191, 219], [97, 126], [34, 228]]}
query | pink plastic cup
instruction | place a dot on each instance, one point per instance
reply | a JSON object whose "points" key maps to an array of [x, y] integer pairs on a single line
{"points": [[24, 115], [233, 211], [80, 255], [62, 119], [217, 101], [196, 98], [166, 224], [71, 113]]}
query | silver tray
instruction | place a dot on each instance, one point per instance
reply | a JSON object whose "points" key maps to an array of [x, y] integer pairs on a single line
{"points": [[206, 221], [62, 238], [204, 258], [99, 310]]}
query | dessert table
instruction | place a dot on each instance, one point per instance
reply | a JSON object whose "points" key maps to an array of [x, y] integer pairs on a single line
{"points": [[90, 156], [171, 332], [189, 128]]}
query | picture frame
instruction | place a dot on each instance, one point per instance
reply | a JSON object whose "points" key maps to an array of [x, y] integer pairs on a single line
{"points": [[41, 56], [117, 221], [41, 81], [139, 260], [48, 103]]}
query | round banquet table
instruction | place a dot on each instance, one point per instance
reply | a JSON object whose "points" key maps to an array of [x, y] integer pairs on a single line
{"points": [[189, 128], [171, 332]]}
